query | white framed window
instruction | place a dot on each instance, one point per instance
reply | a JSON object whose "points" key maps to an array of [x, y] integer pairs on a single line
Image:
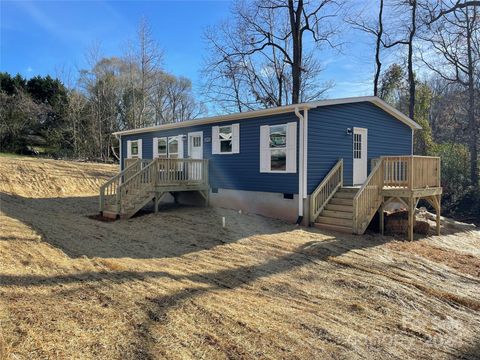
{"points": [[160, 147], [134, 149], [173, 147], [278, 148], [226, 139], [168, 147]]}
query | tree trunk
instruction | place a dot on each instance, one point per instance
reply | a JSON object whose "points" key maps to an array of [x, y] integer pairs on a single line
{"points": [[295, 23], [411, 75], [378, 66], [472, 126]]}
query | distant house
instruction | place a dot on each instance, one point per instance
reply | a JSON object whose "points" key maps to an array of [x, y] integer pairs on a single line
{"points": [[304, 162]]}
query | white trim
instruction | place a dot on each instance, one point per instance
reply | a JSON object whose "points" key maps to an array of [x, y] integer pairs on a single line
{"points": [[120, 161], [189, 143], [129, 149], [265, 157], [301, 173], [215, 140], [181, 150], [362, 151], [412, 141], [305, 153], [279, 110], [155, 147], [235, 138]]}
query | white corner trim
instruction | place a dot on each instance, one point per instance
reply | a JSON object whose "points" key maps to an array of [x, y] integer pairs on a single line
{"points": [[300, 161]]}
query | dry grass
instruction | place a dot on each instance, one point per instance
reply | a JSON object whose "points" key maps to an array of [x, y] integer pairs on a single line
{"points": [[177, 285]]}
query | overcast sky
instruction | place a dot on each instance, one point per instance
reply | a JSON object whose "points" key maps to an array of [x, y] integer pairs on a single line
{"points": [[51, 37]]}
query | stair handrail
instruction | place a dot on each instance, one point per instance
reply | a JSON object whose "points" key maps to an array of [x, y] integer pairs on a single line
{"points": [[110, 188], [325, 190], [144, 180], [368, 198]]}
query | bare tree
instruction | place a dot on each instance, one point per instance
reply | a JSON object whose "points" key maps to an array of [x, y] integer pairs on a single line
{"points": [[455, 39], [375, 29], [264, 51]]}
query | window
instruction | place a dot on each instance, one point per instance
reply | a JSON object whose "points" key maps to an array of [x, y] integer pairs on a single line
{"points": [[134, 149], [162, 147], [278, 148], [173, 147], [168, 147], [197, 141], [357, 146], [226, 139]]}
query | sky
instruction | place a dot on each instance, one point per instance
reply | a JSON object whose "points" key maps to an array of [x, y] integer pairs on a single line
{"points": [[52, 37]]}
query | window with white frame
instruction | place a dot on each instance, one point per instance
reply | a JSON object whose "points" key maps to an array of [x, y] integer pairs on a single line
{"points": [[226, 139], [168, 147], [278, 148], [134, 149], [173, 147]]}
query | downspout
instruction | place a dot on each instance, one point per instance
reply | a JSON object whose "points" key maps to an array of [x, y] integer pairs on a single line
{"points": [[300, 165]]}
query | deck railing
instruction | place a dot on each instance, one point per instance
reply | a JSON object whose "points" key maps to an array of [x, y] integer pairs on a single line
{"points": [[411, 172], [108, 191], [394, 172], [181, 171], [368, 199], [141, 176], [327, 188]]}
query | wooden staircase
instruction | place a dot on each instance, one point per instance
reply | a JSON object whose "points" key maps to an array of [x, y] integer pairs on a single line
{"points": [[337, 214], [143, 181]]}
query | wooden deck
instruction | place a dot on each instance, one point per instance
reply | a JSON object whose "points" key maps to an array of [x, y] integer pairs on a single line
{"points": [[393, 178], [143, 181]]}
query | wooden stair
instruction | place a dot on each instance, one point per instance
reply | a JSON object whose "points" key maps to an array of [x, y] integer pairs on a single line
{"points": [[338, 213]]}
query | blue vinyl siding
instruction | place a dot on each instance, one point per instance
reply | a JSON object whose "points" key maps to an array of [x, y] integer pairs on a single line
{"points": [[328, 140], [232, 171]]}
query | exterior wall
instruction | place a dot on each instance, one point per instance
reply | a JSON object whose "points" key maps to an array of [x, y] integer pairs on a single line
{"points": [[268, 204], [328, 140], [232, 171]]}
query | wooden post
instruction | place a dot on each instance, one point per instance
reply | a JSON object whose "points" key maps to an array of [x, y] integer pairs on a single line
{"points": [[382, 217], [411, 217], [437, 211]]}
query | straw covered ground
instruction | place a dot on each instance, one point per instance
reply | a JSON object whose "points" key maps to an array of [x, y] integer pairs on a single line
{"points": [[178, 285]]}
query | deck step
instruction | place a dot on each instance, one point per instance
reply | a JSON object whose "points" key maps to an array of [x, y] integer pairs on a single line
{"points": [[352, 190], [338, 214], [346, 208], [337, 228], [334, 221], [338, 201], [345, 194]]}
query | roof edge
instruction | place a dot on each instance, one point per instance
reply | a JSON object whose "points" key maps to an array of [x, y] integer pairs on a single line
{"points": [[278, 110]]}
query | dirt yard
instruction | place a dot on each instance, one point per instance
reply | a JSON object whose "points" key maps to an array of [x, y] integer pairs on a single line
{"points": [[178, 285]]}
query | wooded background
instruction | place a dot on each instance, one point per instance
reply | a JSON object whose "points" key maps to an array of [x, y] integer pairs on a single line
{"points": [[269, 53]]}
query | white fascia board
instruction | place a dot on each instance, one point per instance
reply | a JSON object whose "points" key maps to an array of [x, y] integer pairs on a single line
{"points": [[279, 110]]}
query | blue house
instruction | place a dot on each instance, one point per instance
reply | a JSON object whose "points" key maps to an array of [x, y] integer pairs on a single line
{"points": [[302, 163]]}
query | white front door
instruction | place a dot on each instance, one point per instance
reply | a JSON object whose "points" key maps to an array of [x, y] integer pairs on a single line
{"points": [[360, 155], [195, 151]]}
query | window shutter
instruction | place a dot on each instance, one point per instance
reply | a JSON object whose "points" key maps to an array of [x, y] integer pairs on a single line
{"points": [[140, 148], [215, 140], [291, 147], [265, 161], [155, 147], [180, 146], [236, 138], [129, 149]]}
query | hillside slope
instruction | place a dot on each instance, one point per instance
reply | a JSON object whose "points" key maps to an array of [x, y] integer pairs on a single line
{"points": [[178, 285]]}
